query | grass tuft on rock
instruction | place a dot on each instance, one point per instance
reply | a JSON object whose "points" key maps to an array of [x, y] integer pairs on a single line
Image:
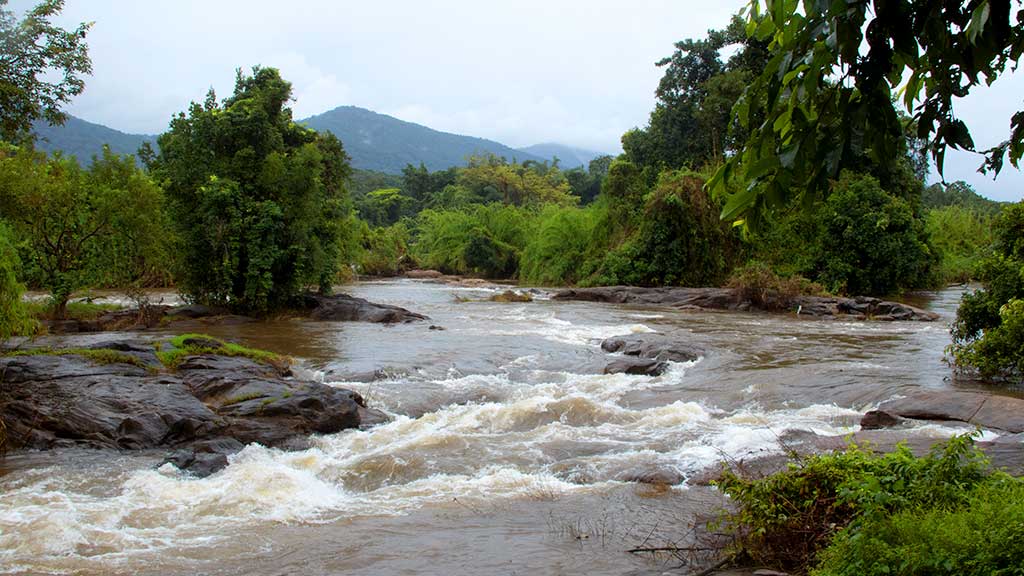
{"points": [[100, 356], [192, 344]]}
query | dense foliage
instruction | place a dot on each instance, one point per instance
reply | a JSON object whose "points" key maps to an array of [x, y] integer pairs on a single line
{"points": [[258, 202], [81, 227], [834, 513], [870, 242], [14, 317], [825, 99], [31, 51], [988, 334]]}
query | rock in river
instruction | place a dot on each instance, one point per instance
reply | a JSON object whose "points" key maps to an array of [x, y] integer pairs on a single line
{"points": [[208, 405], [349, 308]]}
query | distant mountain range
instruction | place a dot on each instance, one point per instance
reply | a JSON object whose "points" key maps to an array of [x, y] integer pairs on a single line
{"points": [[84, 140], [374, 141]]}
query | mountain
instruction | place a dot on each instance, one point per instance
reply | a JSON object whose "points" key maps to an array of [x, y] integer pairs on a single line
{"points": [[386, 144], [374, 141], [568, 156], [84, 139]]}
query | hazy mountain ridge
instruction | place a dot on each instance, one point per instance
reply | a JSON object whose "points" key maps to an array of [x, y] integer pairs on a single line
{"points": [[568, 156], [84, 139], [375, 142]]}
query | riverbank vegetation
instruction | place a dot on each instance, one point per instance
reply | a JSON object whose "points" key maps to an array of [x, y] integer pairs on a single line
{"points": [[239, 206], [855, 512]]}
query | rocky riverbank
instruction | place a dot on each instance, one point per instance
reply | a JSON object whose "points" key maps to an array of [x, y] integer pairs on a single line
{"points": [[336, 307], [861, 307], [199, 399]]}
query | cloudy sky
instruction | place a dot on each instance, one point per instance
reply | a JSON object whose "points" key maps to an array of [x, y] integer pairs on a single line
{"points": [[520, 72]]}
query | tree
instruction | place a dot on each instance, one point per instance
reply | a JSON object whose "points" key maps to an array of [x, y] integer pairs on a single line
{"points": [[31, 51], [826, 96], [70, 218], [530, 183], [14, 318], [691, 124], [988, 334], [870, 242], [258, 201]]}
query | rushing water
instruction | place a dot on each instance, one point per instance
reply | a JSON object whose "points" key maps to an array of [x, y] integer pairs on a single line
{"points": [[508, 453]]}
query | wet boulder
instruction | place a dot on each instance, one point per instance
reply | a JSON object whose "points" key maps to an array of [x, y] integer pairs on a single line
{"points": [[345, 308], [661, 347], [879, 419], [59, 400], [636, 366], [114, 397]]}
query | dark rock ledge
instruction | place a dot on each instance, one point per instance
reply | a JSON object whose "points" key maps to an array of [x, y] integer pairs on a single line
{"points": [[730, 299], [337, 307], [206, 408]]}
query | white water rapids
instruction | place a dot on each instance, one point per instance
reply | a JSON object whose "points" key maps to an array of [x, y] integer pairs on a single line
{"points": [[501, 419]]}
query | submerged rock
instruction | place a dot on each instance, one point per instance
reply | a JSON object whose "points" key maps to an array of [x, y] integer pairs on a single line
{"points": [[732, 299], [209, 405], [511, 296]]}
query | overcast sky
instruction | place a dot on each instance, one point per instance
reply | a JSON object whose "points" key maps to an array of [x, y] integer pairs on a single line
{"points": [[520, 72]]}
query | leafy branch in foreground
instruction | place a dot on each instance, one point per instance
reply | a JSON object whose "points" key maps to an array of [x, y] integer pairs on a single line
{"points": [[825, 100]]}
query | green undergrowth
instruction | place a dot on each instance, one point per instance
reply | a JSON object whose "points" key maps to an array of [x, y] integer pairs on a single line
{"points": [[855, 512], [169, 352]]}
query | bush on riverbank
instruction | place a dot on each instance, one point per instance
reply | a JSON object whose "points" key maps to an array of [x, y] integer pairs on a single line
{"points": [[15, 318], [832, 514], [988, 335]]}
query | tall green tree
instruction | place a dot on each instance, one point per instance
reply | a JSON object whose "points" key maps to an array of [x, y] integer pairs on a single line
{"points": [[258, 201], [41, 68], [827, 96], [691, 124]]}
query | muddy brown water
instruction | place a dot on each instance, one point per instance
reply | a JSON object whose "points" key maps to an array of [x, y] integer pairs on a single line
{"points": [[509, 452]]}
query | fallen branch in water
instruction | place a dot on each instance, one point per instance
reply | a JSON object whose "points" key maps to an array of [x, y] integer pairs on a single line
{"points": [[673, 549]]}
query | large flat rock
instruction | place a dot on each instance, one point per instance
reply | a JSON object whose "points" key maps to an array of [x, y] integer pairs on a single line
{"points": [[988, 411]]}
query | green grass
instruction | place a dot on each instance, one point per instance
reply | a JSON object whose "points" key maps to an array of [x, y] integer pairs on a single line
{"points": [[172, 358], [170, 353], [97, 356]]}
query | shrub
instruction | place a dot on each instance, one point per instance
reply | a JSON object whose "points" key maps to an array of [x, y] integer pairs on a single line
{"points": [[680, 240], [983, 536], [564, 240], [757, 283], [785, 520], [961, 238], [385, 251], [988, 334], [14, 317], [483, 239], [871, 242]]}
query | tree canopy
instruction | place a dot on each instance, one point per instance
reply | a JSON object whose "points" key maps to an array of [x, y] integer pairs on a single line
{"points": [[257, 200], [827, 96], [31, 50]]}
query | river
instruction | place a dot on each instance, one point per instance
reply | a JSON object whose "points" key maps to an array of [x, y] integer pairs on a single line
{"points": [[508, 452]]}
